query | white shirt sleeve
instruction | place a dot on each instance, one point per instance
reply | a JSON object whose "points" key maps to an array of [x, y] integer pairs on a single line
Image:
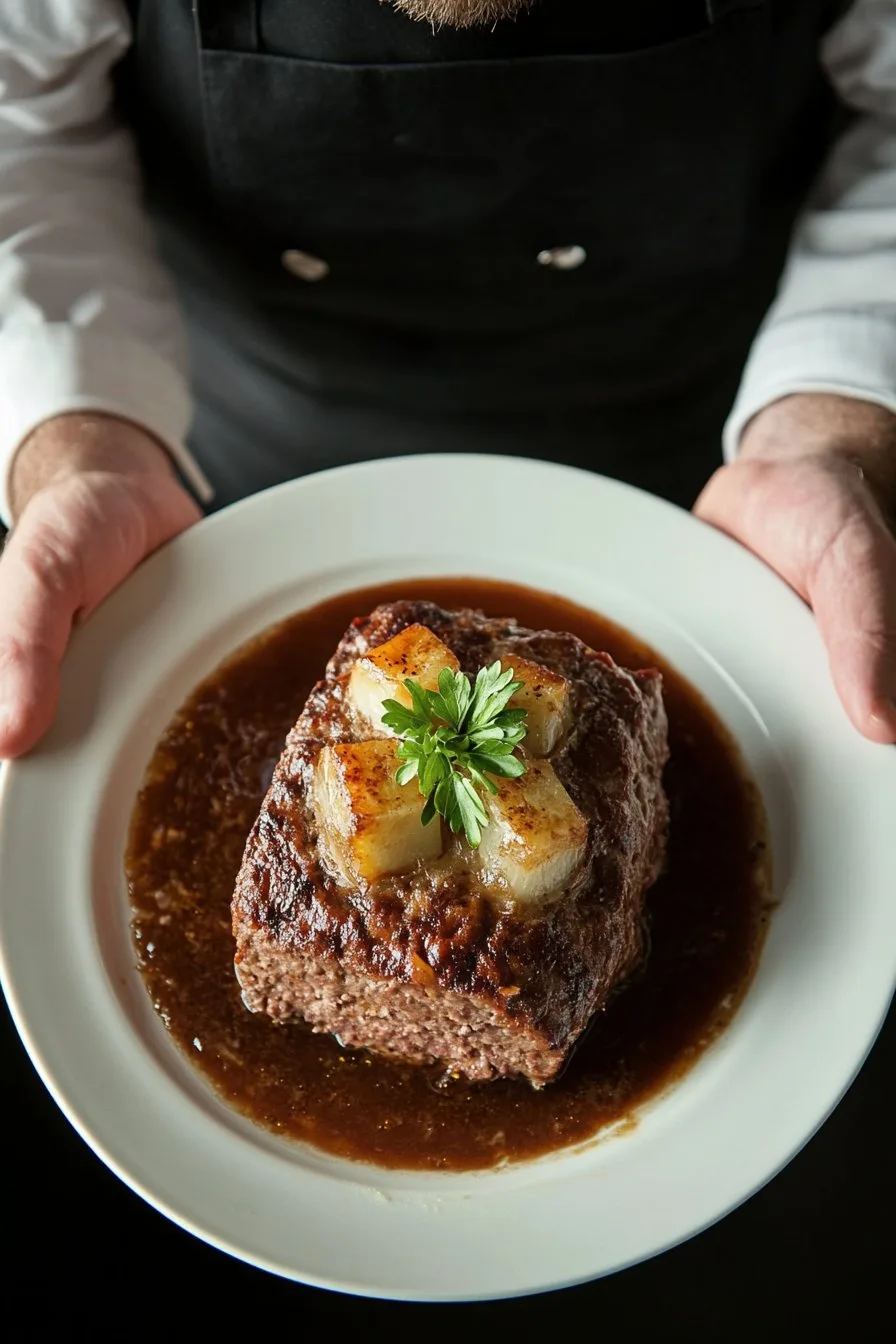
{"points": [[88, 319], [832, 327]]}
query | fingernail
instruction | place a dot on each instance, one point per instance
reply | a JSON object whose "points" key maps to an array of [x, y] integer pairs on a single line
{"points": [[885, 714]]}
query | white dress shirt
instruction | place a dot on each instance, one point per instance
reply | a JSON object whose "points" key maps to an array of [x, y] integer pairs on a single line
{"points": [[88, 319]]}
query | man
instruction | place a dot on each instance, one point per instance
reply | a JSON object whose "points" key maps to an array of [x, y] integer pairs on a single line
{"points": [[545, 227]]}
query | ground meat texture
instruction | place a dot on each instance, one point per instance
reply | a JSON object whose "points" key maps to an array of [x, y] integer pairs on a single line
{"points": [[428, 965]]}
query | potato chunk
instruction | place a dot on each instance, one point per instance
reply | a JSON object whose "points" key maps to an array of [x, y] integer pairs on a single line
{"points": [[536, 836], [380, 674], [369, 823], [545, 697]]}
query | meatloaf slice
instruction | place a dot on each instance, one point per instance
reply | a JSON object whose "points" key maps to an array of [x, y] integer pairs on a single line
{"points": [[443, 962]]}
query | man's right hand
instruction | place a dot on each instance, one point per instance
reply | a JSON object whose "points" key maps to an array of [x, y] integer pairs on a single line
{"points": [[91, 496]]}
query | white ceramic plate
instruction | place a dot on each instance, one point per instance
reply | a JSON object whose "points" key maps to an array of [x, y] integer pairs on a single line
{"points": [[754, 1098]]}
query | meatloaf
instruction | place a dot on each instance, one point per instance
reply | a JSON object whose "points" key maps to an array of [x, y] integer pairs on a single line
{"points": [[405, 940]]}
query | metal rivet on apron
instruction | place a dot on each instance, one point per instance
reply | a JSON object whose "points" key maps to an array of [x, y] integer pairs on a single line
{"points": [[563, 258], [305, 266]]}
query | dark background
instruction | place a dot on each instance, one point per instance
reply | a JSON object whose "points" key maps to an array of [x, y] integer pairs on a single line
{"points": [[809, 1257]]}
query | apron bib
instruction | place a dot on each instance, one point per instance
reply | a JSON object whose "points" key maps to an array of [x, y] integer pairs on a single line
{"points": [[556, 238]]}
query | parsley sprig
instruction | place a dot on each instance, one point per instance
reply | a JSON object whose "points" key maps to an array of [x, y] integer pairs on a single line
{"points": [[455, 740]]}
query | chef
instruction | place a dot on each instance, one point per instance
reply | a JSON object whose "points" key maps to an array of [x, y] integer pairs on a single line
{"points": [[245, 239]]}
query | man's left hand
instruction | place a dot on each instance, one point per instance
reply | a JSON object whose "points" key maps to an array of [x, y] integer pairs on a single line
{"points": [[813, 494]]}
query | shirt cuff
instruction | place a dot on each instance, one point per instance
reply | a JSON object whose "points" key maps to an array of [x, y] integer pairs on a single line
{"points": [[849, 354], [57, 369]]}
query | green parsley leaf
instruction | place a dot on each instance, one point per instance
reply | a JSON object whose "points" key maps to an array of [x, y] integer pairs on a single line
{"points": [[457, 741]]}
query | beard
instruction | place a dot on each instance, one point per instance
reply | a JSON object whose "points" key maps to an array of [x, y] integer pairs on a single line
{"points": [[461, 13]]}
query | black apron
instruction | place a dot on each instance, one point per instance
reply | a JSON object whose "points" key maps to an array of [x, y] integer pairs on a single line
{"points": [[555, 238]]}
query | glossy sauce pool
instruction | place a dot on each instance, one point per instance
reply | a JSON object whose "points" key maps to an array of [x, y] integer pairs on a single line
{"points": [[201, 793]]}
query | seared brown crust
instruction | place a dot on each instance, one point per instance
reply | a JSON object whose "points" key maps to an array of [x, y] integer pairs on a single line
{"points": [[542, 973]]}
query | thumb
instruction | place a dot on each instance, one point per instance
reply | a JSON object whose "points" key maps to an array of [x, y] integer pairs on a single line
{"points": [[75, 542], [40, 592], [816, 522], [852, 590]]}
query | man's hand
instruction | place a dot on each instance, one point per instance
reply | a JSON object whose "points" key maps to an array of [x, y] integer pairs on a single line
{"points": [[813, 493], [91, 497]]}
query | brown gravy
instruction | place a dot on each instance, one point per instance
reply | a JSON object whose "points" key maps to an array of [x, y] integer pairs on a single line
{"points": [[200, 796]]}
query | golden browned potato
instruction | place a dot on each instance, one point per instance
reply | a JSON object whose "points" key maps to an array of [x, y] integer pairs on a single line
{"points": [[545, 697], [380, 674], [370, 825], [537, 835]]}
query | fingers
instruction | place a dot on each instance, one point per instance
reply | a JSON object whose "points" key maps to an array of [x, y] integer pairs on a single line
{"points": [[75, 542], [816, 522]]}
